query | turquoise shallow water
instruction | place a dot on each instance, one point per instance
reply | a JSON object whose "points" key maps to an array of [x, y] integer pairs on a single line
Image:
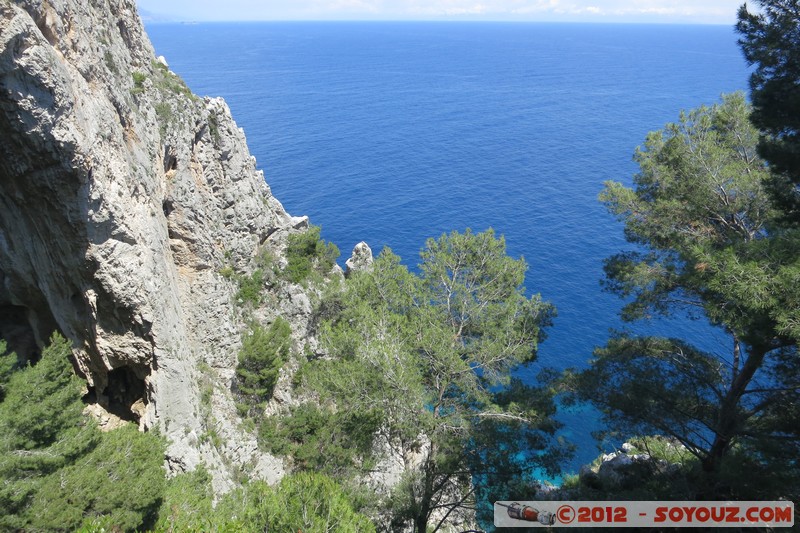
{"points": [[395, 132]]}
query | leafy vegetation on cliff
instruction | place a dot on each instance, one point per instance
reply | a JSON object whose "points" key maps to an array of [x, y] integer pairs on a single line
{"points": [[308, 502], [263, 353], [307, 254], [309, 260], [57, 470], [420, 374]]}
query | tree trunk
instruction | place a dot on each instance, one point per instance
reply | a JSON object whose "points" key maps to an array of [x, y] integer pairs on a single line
{"points": [[728, 421], [424, 513], [421, 523]]}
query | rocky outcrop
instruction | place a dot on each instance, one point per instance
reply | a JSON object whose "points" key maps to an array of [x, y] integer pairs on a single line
{"points": [[625, 469], [360, 259], [122, 197]]}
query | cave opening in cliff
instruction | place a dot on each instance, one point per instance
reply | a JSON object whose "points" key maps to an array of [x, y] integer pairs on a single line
{"points": [[16, 331], [168, 207], [125, 393], [170, 160]]}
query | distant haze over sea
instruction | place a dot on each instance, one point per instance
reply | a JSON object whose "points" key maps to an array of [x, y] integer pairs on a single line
{"points": [[583, 11], [395, 132]]}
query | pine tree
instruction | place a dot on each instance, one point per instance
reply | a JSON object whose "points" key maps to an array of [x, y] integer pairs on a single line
{"points": [[701, 213], [770, 40]]}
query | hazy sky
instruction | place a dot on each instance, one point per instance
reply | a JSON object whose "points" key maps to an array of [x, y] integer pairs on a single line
{"points": [[668, 11]]}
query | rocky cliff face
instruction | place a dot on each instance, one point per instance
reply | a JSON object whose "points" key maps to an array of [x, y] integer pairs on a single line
{"points": [[122, 196]]}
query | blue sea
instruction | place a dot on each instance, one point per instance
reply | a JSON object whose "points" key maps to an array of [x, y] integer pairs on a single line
{"points": [[395, 132]]}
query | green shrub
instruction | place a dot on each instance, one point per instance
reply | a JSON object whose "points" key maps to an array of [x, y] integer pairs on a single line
{"points": [[308, 502], [8, 363], [320, 439], [227, 272], [164, 113], [212, 436], [213, 126], [187, 503], [663, 448], [57, 470], [263, 353], [121, 481], [138, 82], [168, 81], [307, 253], [42, 401], [250, 288]]}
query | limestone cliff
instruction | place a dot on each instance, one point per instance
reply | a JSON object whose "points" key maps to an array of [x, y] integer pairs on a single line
{"points": [[122, 196]]}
